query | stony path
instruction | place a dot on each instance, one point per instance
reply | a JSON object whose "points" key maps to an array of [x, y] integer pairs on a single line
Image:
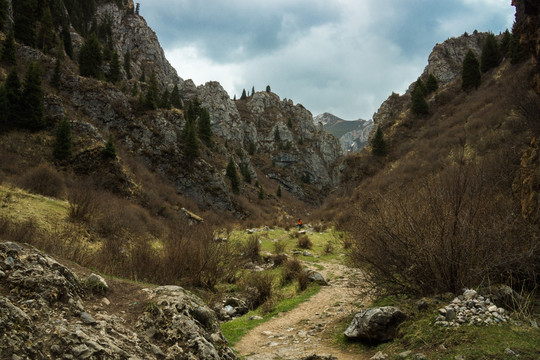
{"points": [[308, 329]]}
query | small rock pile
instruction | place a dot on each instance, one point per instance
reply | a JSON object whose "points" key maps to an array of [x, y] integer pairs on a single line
{"points": [[473, 309]]}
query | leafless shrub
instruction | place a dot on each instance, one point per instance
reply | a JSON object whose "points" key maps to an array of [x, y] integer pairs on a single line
{"points": [[252, 249], [83, 201], [279, 247], [291, 271], [448, 233], [44, 180], [262, 283], [304, 242]]}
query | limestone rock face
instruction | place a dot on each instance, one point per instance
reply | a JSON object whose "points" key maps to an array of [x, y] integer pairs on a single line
{"points": [[528, 27], [46, 312], [445, 62], [131, 33], [527, 183]]}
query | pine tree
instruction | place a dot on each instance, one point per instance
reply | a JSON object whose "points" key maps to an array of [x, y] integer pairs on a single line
{"points": [[516, 52], [231, 173], [114, 69], [63, 145], [165, 100], [431, 83], [56, 80], [90, 58], [8, 49], [137, 8], [142, 78], [268, 88], [3, 13], [66, 40], [277, 136], [470, 76], [32, 107], [24, 16], [191, 144], [246, 174], [505, 43], [176, 101], [261, 193], [152, 93], [109, 151], [46, 36], [490, 57], [289, 123], [127, 64], [4, 125], [13, 97], [419, 106], [244, 96], [205, 127], [278, 192], [253, 91], [378, 144], [252, 148]]}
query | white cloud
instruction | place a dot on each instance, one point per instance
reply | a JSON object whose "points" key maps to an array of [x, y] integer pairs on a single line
{"points": [[341, 56]]}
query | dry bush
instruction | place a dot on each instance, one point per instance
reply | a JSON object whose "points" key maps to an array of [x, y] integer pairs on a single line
{"points": [[450, 232], [44, 180], [25, 231], [304, 242], [83, 200], [303, 280], [279, 247], [260, 285], [252, 249], [292, 269], [192, 257], [328, 247]]}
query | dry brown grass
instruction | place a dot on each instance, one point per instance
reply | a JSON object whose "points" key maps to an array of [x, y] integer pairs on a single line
{"points": [[44, 180]]}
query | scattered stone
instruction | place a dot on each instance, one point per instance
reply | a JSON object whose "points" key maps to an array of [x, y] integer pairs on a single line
{"points": [[471, 308], [105, 301], [97, 283], [379, 356], [459, 357], [255, 317], [404, 354], [307, 253], [320, 357], [316, 277], [420, 356], [375, 324], [510, 352], [87, 318], [422, 304]]}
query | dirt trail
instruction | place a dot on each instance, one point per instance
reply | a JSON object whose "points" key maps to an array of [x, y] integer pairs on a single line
{"points": [[309, 328]]}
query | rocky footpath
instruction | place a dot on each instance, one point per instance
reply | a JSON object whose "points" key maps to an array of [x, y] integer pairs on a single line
{"points": [[47, 311]]}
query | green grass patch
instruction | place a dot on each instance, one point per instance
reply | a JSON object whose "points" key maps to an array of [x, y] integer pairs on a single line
{"points": [[234, 330], [420, 335]]}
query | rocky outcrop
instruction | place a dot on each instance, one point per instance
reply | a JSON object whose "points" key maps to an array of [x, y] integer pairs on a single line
{"points": [[131, 33], [445, 63], [46, 311], [526, 185], [376, 324], [528, 27]]}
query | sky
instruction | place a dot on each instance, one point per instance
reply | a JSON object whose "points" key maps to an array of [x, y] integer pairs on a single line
{"points": [[344, 57]]}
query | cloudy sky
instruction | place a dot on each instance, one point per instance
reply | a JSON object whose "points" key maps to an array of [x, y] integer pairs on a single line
{"points": [[339, 56]]}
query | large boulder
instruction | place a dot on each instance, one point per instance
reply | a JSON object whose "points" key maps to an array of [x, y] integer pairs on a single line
{"points": [[376, 324]]}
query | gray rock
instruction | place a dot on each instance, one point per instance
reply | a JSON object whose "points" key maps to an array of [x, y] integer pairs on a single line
{"points": [[97, 281], [316, 277], [376, 324], [87, 318], [404, 354], [379, 356]]}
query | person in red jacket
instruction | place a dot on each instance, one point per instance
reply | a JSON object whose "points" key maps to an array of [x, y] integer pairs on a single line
{"points": [[299, 224]]}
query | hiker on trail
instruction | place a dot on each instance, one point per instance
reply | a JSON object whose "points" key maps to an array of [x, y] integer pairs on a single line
{"points": [[299, 224]]}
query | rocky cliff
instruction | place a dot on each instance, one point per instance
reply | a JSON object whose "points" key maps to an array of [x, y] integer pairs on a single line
{"points": [[49, 311], [444, 62], [353, 135], [528, 27], [303, 156]]}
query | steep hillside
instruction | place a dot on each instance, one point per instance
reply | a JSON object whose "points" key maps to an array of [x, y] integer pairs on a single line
{"points": [[136, 109]]}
